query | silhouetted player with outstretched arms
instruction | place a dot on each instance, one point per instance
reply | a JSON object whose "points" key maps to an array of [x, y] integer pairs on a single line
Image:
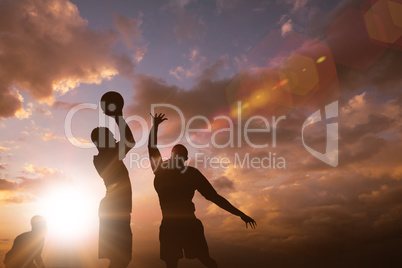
{"points": [[175, 184], [27, 248], [115, 236]]}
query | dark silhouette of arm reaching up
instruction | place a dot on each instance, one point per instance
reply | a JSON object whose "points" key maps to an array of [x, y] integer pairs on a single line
{"points": [[208, 191], [127, 141], [154, 154]]}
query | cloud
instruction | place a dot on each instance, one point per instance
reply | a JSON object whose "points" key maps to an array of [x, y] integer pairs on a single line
{"points": [[24, 113], [32, 184], [6, 185], [304, 14], [188, 25], [194, 68], [223, 183], [297, 4], [286, 25], [15, 199], [211, 72], [361, 62], [308, 212], [10, 193], [129, 29], [311, 219], [47, 49], [179, 3], [206, 93], [223, 5], [49, 136]]}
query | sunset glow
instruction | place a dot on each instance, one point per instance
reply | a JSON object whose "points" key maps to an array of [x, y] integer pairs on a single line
{"points": [[69, 214], [291, 109]]}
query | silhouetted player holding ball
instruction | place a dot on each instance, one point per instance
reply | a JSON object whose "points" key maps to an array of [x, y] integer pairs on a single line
{"points": [[115, 237], [175, 184]]}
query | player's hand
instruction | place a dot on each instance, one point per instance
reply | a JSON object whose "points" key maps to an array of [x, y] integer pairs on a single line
{"points": [[158, 118], [248, 221]]}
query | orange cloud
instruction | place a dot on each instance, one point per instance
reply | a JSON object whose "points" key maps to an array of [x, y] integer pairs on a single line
{"points": [[34, 182], [47, 49]]}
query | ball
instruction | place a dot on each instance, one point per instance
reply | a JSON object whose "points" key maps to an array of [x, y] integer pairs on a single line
{"points": [[112, 103]]}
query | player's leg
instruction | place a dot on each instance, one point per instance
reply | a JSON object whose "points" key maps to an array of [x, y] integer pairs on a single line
{"points": [[198, 246], [172, 263], [208, 262], [119, 262], [170, 247], [114, 263], [121, 244]]}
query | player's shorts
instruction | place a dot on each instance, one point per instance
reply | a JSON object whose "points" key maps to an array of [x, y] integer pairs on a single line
{"points": [[186, 235]]}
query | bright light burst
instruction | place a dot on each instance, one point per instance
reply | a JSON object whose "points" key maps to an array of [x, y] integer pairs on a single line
{"points": [[70, 213]]}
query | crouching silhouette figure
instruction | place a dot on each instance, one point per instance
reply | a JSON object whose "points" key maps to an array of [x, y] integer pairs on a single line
{"points": [[27, 248]]}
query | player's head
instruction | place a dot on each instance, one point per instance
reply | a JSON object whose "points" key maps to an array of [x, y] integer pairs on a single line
{"points": [[102, 137], [38, 224], [179, 152]]}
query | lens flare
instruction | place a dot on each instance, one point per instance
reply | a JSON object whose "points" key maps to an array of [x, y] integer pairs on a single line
{"points": [[383, 21], [300, 72], [350, 43], [69, 213]]}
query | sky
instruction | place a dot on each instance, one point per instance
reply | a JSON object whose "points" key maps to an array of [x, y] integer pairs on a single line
{"points": [[290, 108]]}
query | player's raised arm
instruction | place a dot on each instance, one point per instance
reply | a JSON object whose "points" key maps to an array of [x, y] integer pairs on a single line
{"points": [[112, 105], [154, 154], [127, 141]]}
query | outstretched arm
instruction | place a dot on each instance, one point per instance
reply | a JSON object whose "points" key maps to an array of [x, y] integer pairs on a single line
{"points": [[206, 189], [154, 154], [226, 205], [127, 141]]}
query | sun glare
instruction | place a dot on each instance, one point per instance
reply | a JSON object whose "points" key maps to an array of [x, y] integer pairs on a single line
{"points": [[70, 214]]}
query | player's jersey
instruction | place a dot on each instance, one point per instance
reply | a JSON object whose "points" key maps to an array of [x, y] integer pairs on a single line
{"points": [[117, 181], [176, 187]]}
